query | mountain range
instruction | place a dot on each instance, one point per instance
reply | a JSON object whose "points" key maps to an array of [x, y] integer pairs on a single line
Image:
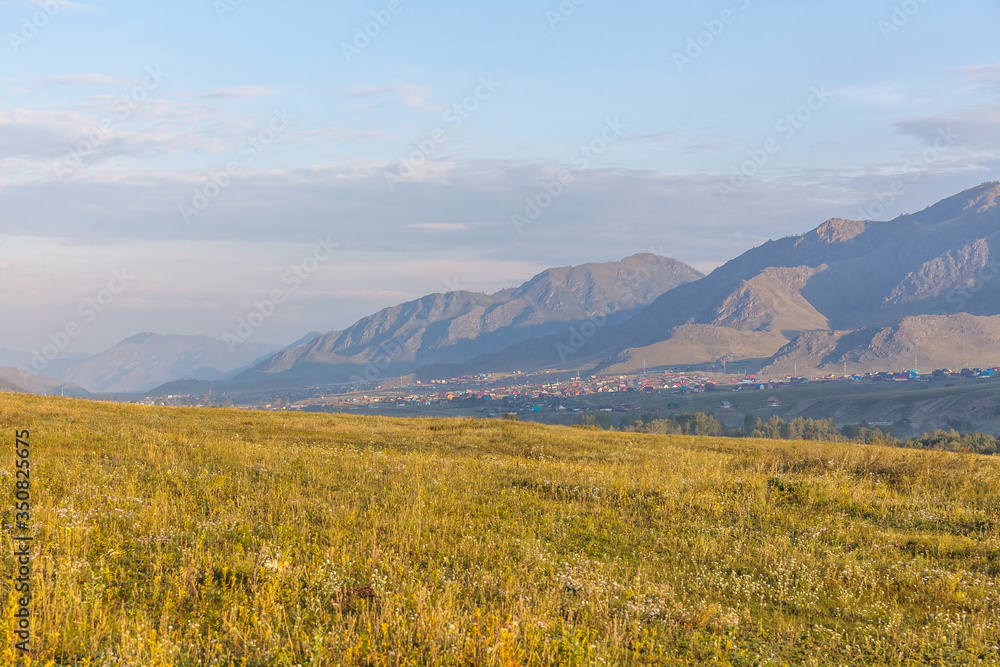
{"points": [[849, 292], [454, 327], [140, 363], [854, 294]]}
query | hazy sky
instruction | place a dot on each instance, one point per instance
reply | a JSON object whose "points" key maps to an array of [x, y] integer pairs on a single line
{"points": [[202, 149]]}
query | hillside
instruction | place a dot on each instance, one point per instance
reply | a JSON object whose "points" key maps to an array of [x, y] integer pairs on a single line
{"points": [[941, 341], [456, 326], [855, 291], [218, 536]]}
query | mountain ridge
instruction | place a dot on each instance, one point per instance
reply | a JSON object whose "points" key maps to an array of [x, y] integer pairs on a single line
{"points": [[842, 276], [450, 327]]}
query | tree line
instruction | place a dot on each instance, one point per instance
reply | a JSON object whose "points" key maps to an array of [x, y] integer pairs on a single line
{"points": [[799, 428]]}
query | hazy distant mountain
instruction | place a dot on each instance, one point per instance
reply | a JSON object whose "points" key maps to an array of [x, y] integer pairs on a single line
{"points": [[149, 360], [847, 281], [452, 327], [19, 380]]}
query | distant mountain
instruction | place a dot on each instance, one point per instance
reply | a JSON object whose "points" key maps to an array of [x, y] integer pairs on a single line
{"points": [[149, 360], [834, 294], [19, 380], [456, 326]]}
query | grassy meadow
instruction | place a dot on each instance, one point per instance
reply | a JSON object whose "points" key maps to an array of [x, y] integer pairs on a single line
{"points": [[221, 537]]}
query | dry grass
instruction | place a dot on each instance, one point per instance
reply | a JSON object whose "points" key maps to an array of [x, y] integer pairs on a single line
{"points": [[210, 537]]}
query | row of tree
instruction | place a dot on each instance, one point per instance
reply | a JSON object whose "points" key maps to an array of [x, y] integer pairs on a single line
{"points": [[799, 428]]}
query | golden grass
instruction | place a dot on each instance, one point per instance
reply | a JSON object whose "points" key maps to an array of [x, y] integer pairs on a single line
{"points": [[218, 537]]}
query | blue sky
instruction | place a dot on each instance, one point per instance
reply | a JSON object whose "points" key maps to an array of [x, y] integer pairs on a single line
{"points": [[694, 130]]}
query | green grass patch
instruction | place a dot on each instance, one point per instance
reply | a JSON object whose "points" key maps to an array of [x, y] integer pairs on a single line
{"points": [[216, 537]]}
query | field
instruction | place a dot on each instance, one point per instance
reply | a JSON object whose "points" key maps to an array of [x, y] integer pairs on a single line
{"points": [[213, 537]]}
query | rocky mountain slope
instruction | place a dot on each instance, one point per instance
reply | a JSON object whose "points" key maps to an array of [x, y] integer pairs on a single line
{"points": [[456, 326], [858, 286]]}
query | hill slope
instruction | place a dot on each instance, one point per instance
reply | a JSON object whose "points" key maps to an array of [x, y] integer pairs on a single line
{"points": [[430, 542], [841, 279], [453, 327]]}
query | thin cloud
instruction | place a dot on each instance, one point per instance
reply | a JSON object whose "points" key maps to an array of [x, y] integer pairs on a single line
{"points": [[881, 93], [440, 227], [64, 4], [984, 74], [654, 137], [402, 96], [974, 128], [237, 92], [708, 145], [86, 80]]}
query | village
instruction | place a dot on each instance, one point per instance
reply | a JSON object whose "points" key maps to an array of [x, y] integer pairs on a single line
{"points": [[564, 398]]}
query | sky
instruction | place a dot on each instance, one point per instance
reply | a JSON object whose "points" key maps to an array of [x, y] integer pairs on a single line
{"points": [[177, 167]]}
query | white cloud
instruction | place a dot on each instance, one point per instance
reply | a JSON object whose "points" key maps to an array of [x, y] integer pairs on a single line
{"points": [[710, 144], [237, 92], [656, 137], [108, 128], [880, 93], [440, 227], [87, 80], [985, 74], [977, 128], [402, 96]]}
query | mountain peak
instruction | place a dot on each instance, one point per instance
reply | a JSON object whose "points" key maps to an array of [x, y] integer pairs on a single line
{"points": [[838, 230], [140, 338], [458, 326]]}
